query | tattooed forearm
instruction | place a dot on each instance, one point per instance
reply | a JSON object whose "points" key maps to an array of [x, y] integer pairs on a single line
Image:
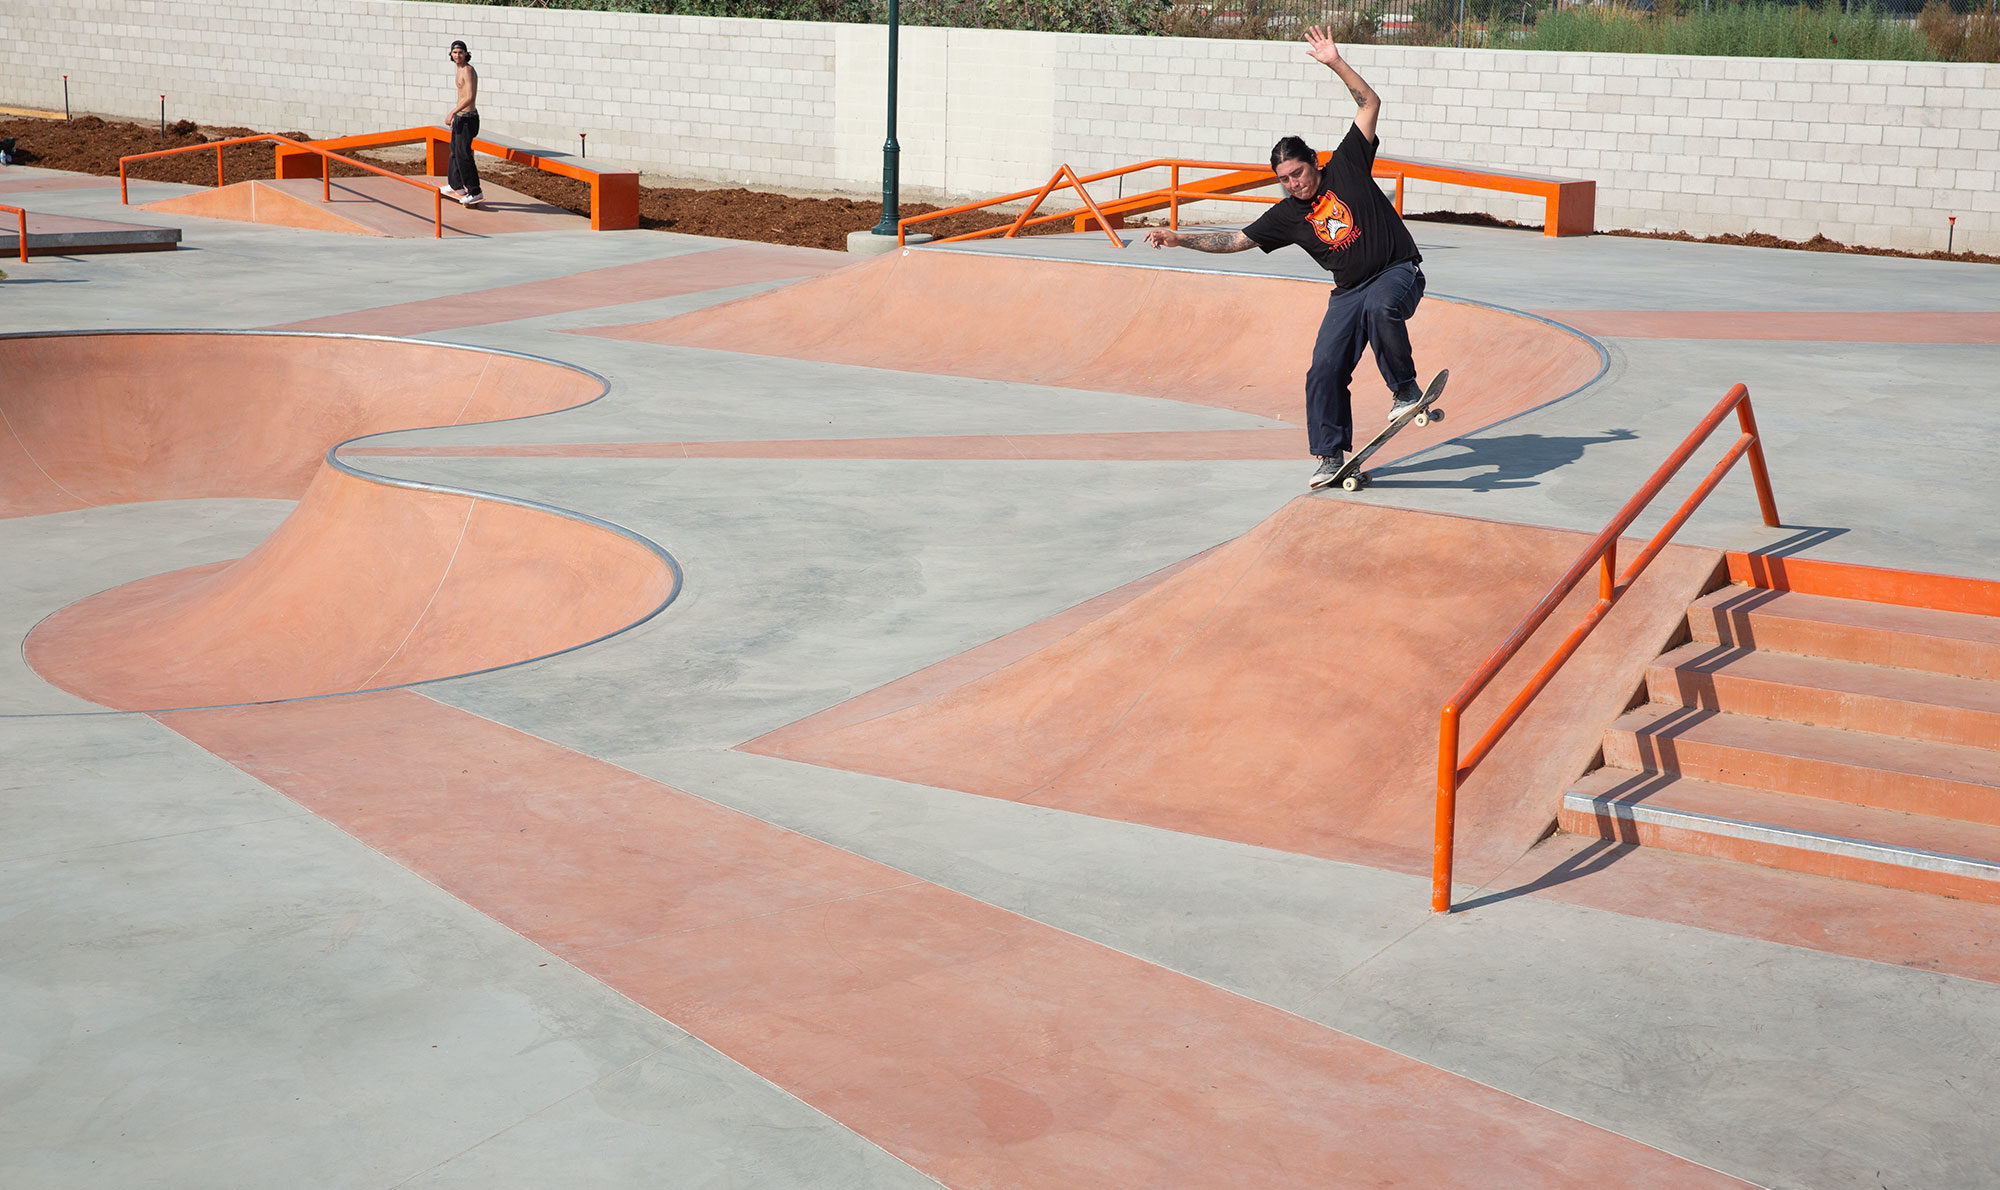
{"points": [[1215, 241]]}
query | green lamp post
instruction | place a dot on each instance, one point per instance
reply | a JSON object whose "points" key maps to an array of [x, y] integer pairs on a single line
{"points": [[890, 150]]}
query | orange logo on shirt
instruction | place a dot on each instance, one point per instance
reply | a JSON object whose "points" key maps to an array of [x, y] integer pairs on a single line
{"points": [[1332, 222]]}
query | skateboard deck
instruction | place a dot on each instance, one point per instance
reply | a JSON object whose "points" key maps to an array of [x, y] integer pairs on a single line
{"points": [[1350, 477]]}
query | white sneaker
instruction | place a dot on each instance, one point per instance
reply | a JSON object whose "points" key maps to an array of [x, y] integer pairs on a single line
{"points": [[451, 193], [471, 200]]}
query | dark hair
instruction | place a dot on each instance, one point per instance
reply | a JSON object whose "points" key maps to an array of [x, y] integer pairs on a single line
{"points": [[459, 45], [1291, 148]]}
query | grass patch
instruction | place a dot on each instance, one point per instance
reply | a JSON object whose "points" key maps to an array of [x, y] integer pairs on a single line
{"points": [[1729, 31]]}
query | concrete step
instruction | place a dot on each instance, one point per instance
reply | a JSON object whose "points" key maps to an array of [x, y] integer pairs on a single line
{"points": [[1911, 703], [1849, 630], [1867, 769], [1805, 834]]}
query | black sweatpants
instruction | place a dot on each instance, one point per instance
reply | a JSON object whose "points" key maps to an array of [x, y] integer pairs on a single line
{"points": [[462, 174], [1372, 315]]}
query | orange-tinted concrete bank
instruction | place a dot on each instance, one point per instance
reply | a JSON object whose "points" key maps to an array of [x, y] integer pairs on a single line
{"points": [[622, 709]]}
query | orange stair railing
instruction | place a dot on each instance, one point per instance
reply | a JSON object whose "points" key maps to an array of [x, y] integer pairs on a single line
{"points": [[326, 176], [1226, 187], [1602, 552], [22, 217]]}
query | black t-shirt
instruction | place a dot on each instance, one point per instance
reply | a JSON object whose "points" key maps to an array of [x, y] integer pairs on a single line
{"points": [[1350, 226]]}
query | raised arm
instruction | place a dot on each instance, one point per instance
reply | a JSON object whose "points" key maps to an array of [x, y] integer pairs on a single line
{"points": [[1324, 51], [1200, 241]]}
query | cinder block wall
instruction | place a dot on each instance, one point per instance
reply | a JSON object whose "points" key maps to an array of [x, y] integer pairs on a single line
{"points": [[1875, 153]]}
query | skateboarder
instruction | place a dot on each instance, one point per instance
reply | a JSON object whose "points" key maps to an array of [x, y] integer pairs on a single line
{"points": [[462, 176], [1342, 218]]}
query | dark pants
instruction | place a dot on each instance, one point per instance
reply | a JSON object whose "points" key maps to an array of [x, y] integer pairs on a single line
{"points": [[463, 174], [1372, 315]]}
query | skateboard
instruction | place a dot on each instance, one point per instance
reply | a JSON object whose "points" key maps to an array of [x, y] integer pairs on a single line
{"points": [[1350, 477]]}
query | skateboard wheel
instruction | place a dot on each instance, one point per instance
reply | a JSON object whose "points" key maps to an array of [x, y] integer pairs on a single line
{"points": [[1422, 419], [1353, 482], [1436, 414]]}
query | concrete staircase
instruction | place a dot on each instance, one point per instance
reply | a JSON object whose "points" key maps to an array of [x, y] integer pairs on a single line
{"points": [[1847, 738]]}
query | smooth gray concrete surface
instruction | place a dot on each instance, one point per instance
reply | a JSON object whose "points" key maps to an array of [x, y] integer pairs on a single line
{"points": [[207, 985]]}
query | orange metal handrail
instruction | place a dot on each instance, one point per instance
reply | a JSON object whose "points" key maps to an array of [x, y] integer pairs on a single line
{"points": [[22, 216], [326, 176], [1602, 552], [1026, 218], [1171, 196]]}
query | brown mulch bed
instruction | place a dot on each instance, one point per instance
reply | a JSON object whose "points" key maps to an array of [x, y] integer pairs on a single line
{"points": [[91, 145]]}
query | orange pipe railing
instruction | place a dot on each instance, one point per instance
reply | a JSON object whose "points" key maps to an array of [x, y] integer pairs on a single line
{"points": [[614, 191], [1602, 553], [326, 175], [22, 216], [1171, 196]]}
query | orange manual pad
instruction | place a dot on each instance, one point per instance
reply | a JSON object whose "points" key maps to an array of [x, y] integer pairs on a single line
{"points": [[116, 418], [1226, 340], [643, 281], [365, 585], [983, 1048], [1284, 690], [371, 205]]}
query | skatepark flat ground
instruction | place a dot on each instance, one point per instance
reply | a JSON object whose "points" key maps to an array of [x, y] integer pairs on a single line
{"points": [[559, 923]]}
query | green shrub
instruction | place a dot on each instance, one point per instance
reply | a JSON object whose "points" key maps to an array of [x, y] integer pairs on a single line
{"points": [[1729, 30]]}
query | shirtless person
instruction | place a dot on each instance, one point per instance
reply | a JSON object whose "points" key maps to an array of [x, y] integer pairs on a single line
{"points": [[462, 176], [1342, 218]]}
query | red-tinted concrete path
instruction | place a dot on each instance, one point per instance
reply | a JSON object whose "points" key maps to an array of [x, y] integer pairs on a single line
{"points": [[984, 1048]]}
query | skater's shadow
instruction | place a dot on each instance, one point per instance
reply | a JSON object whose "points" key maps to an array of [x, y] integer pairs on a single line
{"points": [[1506, 461]]}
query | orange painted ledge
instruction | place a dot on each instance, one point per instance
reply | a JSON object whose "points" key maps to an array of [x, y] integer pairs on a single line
{"points": [[983, 1048], [1872, 584]]}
